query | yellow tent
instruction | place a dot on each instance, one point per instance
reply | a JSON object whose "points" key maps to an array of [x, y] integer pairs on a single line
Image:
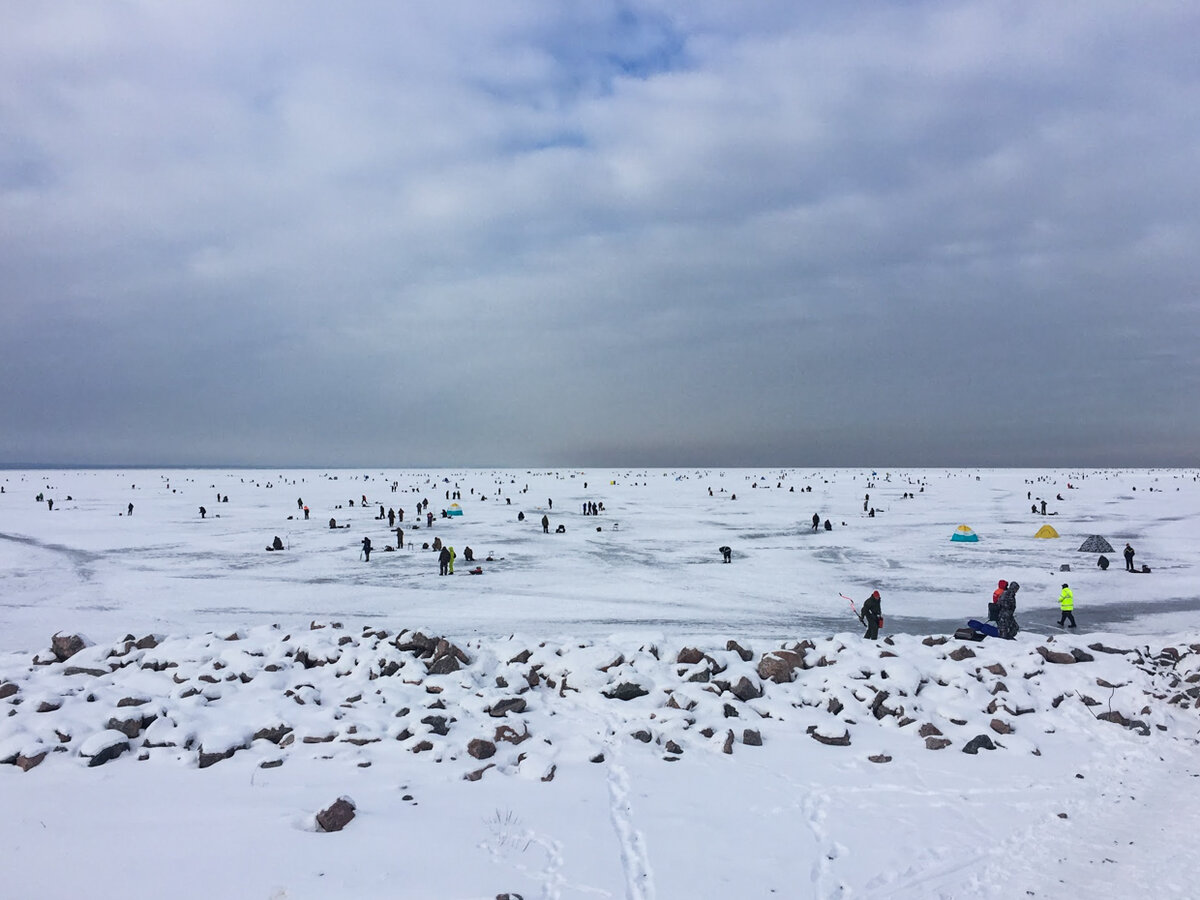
{"points": [[1046, 531]]}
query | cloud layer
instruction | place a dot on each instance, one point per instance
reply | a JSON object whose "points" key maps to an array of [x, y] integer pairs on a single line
{"points": [[628, 233]]}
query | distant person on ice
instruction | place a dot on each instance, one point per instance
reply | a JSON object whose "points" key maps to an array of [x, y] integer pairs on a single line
{"points": [[872, 616], [816, 520], [546, 527], [1129, 559], [366, 548], [444, 561], [203, 512], [1066, 604], [1102, 562], [726, 554], [1006, 614]]}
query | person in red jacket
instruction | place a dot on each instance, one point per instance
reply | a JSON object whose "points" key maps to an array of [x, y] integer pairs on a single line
{"points": [[993, 607]]}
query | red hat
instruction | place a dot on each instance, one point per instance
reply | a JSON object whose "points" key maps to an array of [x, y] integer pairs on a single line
{"points": [[875, 594], [1002, 583]]}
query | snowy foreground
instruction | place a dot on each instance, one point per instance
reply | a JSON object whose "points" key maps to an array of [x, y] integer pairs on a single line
{"points": [[605, 712]]}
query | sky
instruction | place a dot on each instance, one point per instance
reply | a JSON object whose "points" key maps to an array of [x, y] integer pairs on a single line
{"points": [[639, 233]]}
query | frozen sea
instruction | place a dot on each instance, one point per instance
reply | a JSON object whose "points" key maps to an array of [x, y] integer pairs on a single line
{"points": [[696, 789]]}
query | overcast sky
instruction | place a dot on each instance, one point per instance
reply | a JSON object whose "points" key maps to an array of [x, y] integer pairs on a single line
{"points": [[701, 233]]}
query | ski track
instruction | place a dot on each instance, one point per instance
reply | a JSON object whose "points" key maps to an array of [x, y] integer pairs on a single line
{"points": [[639, 878]]}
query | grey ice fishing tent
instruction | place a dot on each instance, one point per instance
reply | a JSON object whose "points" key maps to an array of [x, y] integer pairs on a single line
{"points": [[1095, 544]]}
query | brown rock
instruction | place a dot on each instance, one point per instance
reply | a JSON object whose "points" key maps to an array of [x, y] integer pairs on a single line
{"points": [[508, 705], [481, 749], [1056, 656], [1001, 727], [508, 735], [780, 666], [49, 706], [25, 763], [273, 734], [728, 747], [751, 738], [337, 816], [929, 730], [7, 689], [689, 656], [842, 741], [936, 743], [64, 646], [741, 651], [997, 669], [880, 758], [746, 690], [961, 653], [934, 641], [477, 774]]}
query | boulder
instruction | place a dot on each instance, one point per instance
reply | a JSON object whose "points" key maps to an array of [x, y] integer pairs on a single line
{"points": [[837, 741], [1082, 656], [977, 743], [936, 743], [1000, 727], [509, 705], [273, 734], [1056, 656], [746, 690], [25, 763], [103, 746], [780, 666], [7, 689], [689, 656], [929, 730], [336, 816], [626, 690], [961, 653], [741, 651], [481, 749], [64, 646], [751, 738]]}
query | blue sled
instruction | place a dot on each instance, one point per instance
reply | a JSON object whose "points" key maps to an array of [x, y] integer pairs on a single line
{"points": [[983, 627]]}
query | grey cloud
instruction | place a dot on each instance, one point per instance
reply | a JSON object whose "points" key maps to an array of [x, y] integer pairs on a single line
{"points": [[506, 235]]}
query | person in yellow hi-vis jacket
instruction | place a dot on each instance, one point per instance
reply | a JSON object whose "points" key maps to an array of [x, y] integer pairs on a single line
{"points": [[1066, 603], [453, 556]]}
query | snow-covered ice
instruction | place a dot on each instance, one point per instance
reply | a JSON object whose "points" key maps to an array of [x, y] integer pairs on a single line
{"points": [[476, 720]]}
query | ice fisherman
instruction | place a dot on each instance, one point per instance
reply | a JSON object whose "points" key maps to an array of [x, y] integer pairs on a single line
{"points": [[872, 616], [546, 526], [1006, 612], [1129, 558], [444, 561], [726, 554], [1066, 605], [816, 520], [453, 556], [366, 548]]}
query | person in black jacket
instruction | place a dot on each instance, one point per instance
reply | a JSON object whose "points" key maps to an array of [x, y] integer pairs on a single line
{"points": [[444, 561], [872, 615], [1129, 558], [366, 545]]}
